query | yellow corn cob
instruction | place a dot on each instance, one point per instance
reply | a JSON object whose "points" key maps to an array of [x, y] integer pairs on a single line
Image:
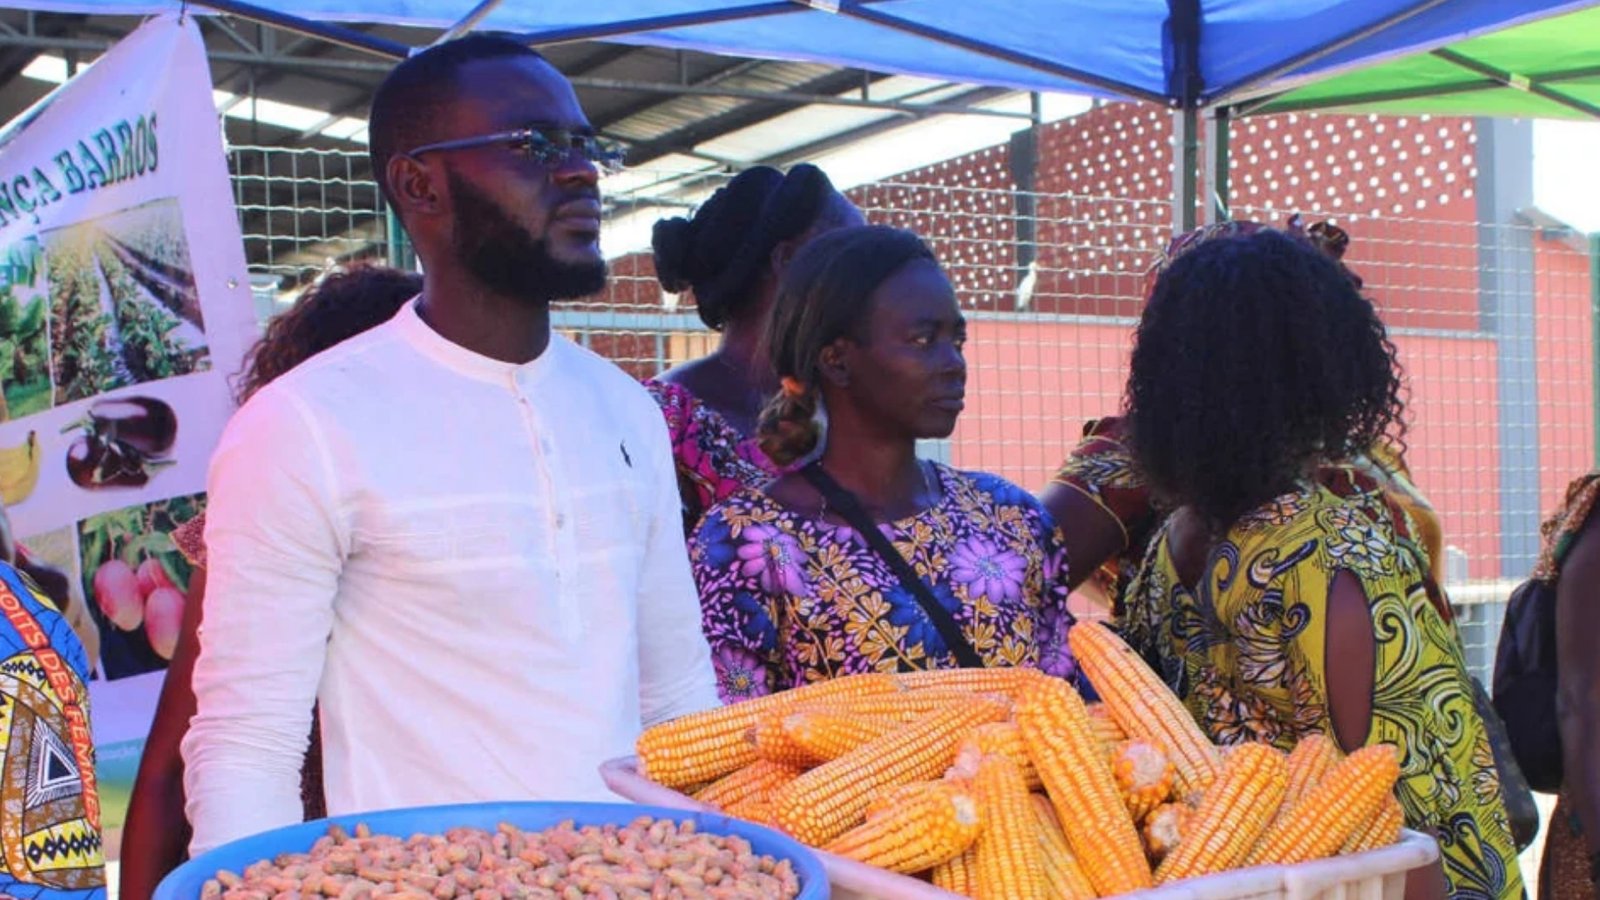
{"points": [[1072, 763], [1105, 726], [937, 825], [830, 799], [958, 875], [773, 744], [1309, 763], [822, 736], [1144, 776], [1002, 738], [1009, 855], [893, 798], [1232, 817], [759, 779], [1062, 872], [986, 681], [1163, 829], [705, 746], [905, 706], [1382, 830], [758, 810], [1143, 705], [1334, 810]]}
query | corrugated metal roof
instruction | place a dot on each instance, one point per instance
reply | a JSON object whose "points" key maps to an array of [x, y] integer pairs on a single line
{"points": [[684, 114]]}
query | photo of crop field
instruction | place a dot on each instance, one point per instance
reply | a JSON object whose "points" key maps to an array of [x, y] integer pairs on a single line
{"points": [[124, 308], [24, 332], [137, 582]]}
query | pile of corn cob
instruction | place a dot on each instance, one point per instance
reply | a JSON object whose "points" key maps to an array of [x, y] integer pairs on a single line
{"points": [[1003, 783]]}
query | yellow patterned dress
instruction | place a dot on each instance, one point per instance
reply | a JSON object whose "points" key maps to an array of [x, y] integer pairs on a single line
{"points": [[50, 823], [1245, 649]]}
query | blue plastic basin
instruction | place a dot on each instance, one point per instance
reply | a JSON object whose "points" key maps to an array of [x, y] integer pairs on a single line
{"points": [[186, 882]]}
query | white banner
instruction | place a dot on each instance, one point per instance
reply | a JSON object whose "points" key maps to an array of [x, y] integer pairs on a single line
{"points": [[125, 309]]}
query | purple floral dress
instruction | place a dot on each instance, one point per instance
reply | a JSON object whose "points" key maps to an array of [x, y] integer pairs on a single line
{"points": [[789, 600]]}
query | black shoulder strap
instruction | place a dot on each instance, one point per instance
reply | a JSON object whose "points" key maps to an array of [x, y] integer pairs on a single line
{"points": [[847, 506]]}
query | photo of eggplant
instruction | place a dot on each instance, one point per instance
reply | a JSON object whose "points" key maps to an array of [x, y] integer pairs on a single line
{"points": [[143, 423], [125, 441]]}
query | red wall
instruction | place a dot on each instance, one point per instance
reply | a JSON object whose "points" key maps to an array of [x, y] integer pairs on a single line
{"points": [[1564, 335]]}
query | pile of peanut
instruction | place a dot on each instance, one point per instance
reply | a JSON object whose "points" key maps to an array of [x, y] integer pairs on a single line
{"points": [[649, 859]]}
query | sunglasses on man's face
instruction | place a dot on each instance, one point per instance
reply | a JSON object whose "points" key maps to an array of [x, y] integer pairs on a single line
{"points": [[543, 145]]}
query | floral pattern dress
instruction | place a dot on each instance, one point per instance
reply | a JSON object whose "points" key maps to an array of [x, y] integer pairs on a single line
{"points": [[1245, 650], [789, 600], [713, 459]]}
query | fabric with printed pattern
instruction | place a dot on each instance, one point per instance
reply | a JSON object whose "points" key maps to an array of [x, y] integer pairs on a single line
{"points": [[789, 600], [1245, 650]]}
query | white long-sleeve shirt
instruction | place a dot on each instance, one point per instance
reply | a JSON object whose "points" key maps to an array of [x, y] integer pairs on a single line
{"points": [[478, 568]]}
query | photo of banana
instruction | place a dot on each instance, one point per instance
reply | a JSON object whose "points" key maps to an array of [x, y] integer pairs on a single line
{"points": [[19, 470]]}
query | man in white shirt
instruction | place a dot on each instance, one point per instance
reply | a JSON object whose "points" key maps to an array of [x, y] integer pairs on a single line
{"points": [[458, 532]]}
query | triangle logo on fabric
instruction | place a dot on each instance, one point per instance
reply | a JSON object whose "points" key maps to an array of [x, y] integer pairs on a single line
{"points": [[54, 769]]}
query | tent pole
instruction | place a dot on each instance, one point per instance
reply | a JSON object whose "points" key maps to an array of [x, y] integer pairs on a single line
{"points": [[857, 10], [662, 23], [1217, 166], [327, 31], [1325, 49], [1530, 84], [469, 21], [1186, 152], [1249, 104]]}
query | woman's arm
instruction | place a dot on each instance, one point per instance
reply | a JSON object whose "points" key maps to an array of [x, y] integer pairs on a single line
{"points": [[155, 838], [1350, 640], [1099, 500], [1578, 677], [1090, 533]]}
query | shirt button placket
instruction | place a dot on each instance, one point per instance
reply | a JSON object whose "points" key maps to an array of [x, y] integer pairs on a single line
{"points": [[558, 543]]}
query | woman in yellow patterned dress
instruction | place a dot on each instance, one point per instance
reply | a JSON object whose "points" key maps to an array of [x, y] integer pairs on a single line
{"points": [[1278, 607]]}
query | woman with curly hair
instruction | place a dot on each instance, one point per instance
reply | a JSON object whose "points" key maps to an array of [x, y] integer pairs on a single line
{"points": [[339, 306], [1104, 504], [729, 256], [1279, 607], [870, 559]]}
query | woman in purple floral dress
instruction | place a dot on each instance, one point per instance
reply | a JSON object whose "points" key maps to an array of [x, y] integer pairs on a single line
{"points": [[867, 328]]}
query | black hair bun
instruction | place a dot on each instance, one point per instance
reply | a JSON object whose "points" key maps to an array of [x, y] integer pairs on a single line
{"points": [[670, 242]]}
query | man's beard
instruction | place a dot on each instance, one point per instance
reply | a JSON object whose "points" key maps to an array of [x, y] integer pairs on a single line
{"points": [[505, 258]]}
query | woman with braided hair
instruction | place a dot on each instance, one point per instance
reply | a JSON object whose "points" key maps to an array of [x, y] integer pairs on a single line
{"points": [[868, 558], [729, 256]]}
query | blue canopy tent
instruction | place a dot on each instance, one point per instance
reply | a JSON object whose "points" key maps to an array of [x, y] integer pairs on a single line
{"points": [[1190, 55]]}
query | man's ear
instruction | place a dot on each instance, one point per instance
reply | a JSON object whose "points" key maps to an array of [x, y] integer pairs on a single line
{"points": [[834, 362], [415, 186]]}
